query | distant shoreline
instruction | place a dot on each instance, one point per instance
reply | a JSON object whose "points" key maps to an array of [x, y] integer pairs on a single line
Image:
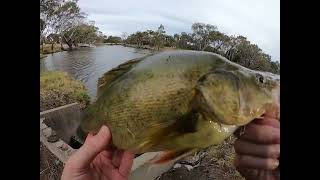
{"points": [[47, 49]]}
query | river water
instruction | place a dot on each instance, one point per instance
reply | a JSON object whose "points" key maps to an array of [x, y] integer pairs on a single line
{"points": [[89, 64]]}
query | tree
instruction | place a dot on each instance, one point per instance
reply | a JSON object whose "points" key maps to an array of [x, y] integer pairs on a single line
{"points": [[83, 33], [139, 38], [65, 18], [201, 34], [275, 67], [169, 41], [47, 11], [114, 39], [185, 41], [217, 41], [53, 38], [159, 37], [206, 37], [124, 37]]}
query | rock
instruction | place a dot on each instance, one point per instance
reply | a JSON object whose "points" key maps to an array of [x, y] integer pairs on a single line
{"points": [[64, 147], [59, 144], [193, 160], [177, 166], [53, 138], [47, 131], [189, 167]]}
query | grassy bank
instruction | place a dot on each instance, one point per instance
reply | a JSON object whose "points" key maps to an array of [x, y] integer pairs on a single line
{"points": [[58, 89], [150, 48], [48, 49], [42, 56]]}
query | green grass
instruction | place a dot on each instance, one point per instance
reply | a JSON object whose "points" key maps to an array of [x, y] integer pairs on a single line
{"points": [[59, 88]]}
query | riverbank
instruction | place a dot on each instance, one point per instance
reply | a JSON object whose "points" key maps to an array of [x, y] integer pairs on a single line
{"points": [[42, 56], [49, 48], [59, 88], [149, 47]]}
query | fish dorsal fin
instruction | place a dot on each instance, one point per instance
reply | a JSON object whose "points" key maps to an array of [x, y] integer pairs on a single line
{"points": [[116, 72]]}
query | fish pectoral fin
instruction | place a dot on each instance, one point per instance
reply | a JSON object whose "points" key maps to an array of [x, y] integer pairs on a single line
{"points": [[171, 155]]}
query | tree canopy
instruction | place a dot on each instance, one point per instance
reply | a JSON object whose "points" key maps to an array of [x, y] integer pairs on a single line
{"points": [[65, 19], [206, 37]]}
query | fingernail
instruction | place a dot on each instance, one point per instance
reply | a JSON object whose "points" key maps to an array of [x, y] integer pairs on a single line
{"points": [[275, 164], [103, 129]]}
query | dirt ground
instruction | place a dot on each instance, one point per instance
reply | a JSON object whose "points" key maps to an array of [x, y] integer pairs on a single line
{"points": [[215, 162], [50, 166]]}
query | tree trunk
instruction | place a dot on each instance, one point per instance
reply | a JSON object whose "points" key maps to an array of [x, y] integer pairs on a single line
{"points": [[42, 47], [75, 44], [204, 47], [61, 46], [52, 47], [69, 43]]}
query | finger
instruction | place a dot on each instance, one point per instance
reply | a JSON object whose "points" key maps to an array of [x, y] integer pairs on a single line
{"points": [[108, 154], [249, 174], [266, 151], [126, 163], [273, 111], [110, 172], [245, 161], [261, 134], [267, 121], [116, 160], [91, 148]]}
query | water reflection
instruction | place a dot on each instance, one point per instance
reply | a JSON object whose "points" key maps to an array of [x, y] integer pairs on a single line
{"points": [[88, 64]]}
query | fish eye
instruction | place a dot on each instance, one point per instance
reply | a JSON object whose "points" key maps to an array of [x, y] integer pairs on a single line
{"points": [[260, 78]]}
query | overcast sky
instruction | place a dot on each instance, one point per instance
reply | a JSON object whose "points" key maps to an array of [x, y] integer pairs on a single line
{"points": [[258, 20]]}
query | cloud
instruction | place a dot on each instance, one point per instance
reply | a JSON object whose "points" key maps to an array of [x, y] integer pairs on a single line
{"points": [[259, 21]]}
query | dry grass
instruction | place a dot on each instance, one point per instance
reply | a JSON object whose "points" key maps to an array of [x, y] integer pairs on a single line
{"points": [[50, 166], [47, 48], [222, 157], [42, 56], [216, 163], [58, 89]]}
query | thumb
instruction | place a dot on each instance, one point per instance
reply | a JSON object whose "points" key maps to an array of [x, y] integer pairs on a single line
{"points": [[93, 145]]}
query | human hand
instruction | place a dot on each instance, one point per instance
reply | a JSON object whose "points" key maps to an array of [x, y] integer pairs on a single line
{"points": [[98, 160], [258, 150]]}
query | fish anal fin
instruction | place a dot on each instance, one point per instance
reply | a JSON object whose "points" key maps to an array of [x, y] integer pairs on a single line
{"points": [[171, 155]]}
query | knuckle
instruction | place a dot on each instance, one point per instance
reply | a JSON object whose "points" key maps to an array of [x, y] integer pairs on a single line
{"points": [[271, 164]]}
